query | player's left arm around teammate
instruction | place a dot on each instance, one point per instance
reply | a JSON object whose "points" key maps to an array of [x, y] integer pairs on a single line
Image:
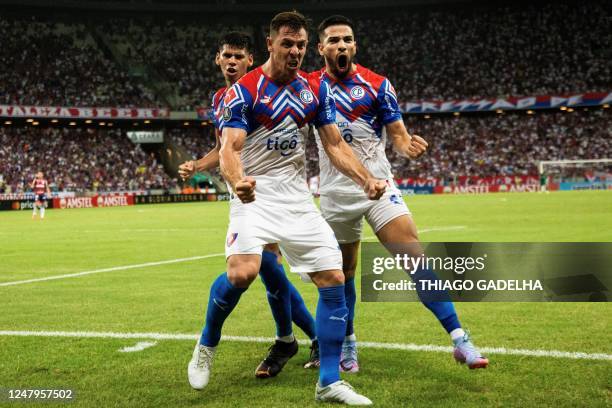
{"points": [[343, 158], [411, 146], [232, 143]]}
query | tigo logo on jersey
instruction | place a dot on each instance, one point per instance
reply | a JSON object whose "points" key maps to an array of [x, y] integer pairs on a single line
{"points": [[231, 238], [306, 96], [285, 146], [357, 92]]}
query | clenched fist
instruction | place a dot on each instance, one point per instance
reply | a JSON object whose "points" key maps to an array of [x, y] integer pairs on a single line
{"points": [[187, 170], [245, 189], [417, 147], [374, 188]]}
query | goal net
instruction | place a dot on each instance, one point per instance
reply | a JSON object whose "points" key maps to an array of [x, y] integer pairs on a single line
{"points": [[595, 174]]}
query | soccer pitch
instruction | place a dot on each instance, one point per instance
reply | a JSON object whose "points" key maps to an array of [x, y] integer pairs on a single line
{"points": [[174, 251]]}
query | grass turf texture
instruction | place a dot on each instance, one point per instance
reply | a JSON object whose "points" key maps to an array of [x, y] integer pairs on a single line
{"points": [[172, 298]]}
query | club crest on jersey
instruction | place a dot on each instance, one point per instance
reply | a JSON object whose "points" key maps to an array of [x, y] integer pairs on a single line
{"points": [[357, 92], [395, 199], [306, 96], [227, 114], [231, 238]]}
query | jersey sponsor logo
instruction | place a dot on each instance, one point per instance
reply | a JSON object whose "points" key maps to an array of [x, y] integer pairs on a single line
{"points": [[265, 99], [231, 238], [286, 146], [357, 92], [227, 113], [306, 96]]}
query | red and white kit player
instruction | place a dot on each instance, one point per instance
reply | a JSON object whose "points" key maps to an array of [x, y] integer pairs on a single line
{"points": [[40, 187]]}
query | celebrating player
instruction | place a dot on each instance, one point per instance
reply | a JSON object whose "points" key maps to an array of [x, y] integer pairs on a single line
{"points": [[41, 190], [234, 57], [367, 111], [262, 159]]}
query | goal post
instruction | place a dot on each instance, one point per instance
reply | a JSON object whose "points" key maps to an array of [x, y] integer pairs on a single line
{"points": [[583, 174], [579, 163]]}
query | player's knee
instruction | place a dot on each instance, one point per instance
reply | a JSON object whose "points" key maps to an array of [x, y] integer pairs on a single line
{"points": [[240, 278], [328, 278], [241, 272]]}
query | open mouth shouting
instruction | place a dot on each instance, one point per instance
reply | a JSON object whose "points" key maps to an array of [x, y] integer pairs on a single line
{"points": [[342, 63], [293, 64]]}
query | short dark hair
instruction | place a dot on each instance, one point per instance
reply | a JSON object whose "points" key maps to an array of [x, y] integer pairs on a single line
{"points": [[292, 19], [336, 19], [236, 39]]}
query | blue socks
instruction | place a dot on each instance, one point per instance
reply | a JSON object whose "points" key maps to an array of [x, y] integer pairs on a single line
{"points": [[285, 301], [279, 295], [300, 313], [437, 301], [331, 326], [351, 297], [222, 300]]}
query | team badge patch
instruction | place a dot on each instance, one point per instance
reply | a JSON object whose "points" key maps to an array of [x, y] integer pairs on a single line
{"points": [[357, 92], [227, 114], [306, 96], [394, 199], [231, 238]]}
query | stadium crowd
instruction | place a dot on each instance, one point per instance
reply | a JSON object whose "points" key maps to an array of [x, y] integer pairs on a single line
{"points": [[476, 52], [428, 53], [50, 63], [492, 145], [77, 160]]}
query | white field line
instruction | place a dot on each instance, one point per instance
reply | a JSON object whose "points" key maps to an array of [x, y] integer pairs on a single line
{"points": [[576, 355], [113, 269], [141, 345], [424, 230]]}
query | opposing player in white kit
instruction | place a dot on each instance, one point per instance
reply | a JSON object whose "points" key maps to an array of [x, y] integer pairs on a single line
{"points": [[262, 159], [367, 112]]}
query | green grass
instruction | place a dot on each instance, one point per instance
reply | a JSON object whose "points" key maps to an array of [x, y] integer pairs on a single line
{"points": [[172, 299]]}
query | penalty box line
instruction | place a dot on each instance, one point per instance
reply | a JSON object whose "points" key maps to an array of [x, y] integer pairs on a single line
{"points": [[575, 355], [113, 269]]}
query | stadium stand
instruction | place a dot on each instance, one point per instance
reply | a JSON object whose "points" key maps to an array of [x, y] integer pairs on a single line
{"points": [[429, 53], [77, 160]]}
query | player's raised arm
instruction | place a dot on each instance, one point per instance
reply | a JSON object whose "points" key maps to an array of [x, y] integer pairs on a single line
{"points": [[411, 146], [208, 162], [342, 157], [231, 165]]}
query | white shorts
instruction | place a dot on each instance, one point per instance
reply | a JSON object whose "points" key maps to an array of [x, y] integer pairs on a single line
{"points": [[345, 213], [305, 239]]}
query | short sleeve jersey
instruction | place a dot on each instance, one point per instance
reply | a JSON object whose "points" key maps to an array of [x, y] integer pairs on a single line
{"points": [[365, 103], [273, 116]]}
